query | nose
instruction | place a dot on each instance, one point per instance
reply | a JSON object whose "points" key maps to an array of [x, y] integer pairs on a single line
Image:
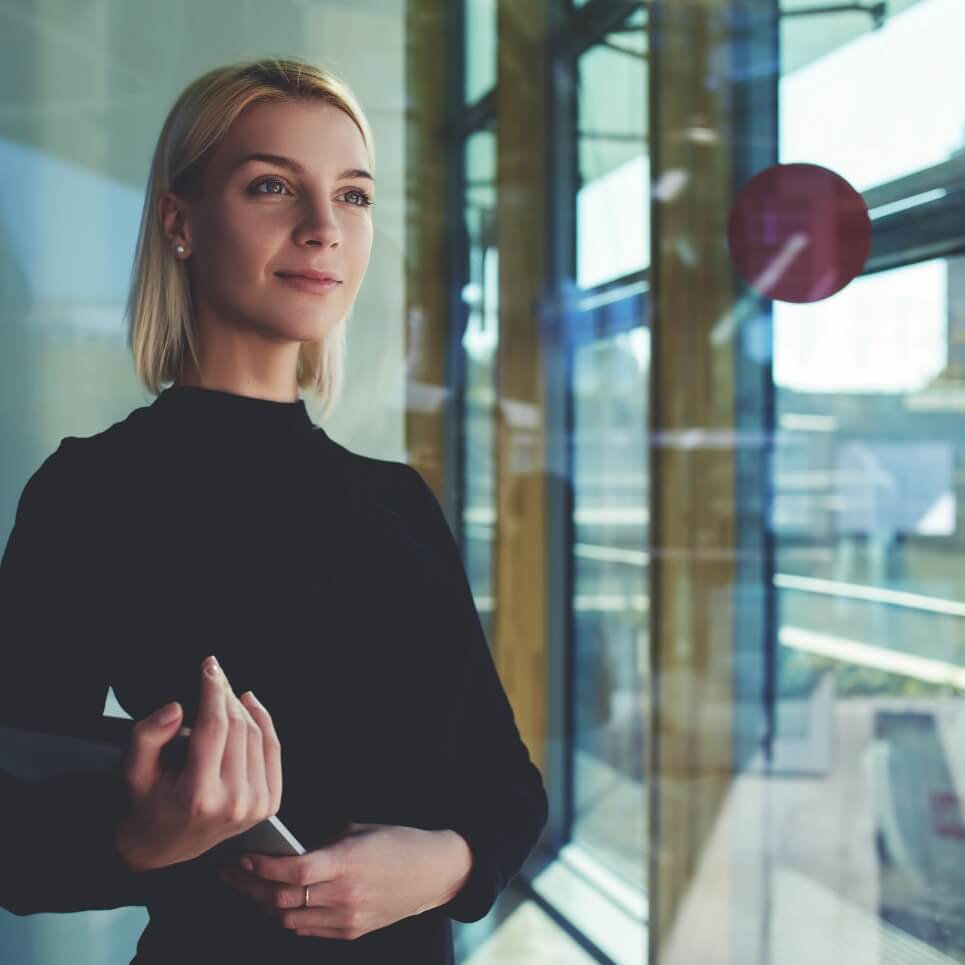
{"points": [[319, 225]]}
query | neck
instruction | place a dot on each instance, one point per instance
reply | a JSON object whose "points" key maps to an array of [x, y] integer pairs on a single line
{"points": [[245, 387]]}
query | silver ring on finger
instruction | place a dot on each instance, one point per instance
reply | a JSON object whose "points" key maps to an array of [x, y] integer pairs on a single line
{"points": [[306, 894]]}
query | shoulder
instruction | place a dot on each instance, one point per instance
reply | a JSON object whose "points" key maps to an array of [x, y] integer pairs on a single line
{"points": [[58, 478], [401, 490], [52, 504], [397, 485], [83, 469]]}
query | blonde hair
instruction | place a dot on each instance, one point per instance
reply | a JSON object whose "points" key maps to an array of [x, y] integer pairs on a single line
{"points": [[159, 310]]}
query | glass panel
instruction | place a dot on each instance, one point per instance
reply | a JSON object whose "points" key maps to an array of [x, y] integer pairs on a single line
{"points": [[614, 168], [872, 601], [810, 805], [480, 47], [868, 495], [610, 611], [843, 103], [609, 384], [480, 342]]}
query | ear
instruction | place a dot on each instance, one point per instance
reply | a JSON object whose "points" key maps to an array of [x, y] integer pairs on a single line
{"points": [[172, 213]]}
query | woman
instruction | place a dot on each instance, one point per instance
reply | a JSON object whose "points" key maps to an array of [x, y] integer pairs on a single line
{"points": [[224, 520]]}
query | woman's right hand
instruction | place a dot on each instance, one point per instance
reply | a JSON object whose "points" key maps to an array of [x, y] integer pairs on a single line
{"points": [[232, 779]]}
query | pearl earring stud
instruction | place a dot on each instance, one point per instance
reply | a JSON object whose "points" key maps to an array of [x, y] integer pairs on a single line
{"points": [[179, 249]]}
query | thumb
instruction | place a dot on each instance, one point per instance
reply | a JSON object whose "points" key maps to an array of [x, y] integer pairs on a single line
{"points": [[148, 737]]}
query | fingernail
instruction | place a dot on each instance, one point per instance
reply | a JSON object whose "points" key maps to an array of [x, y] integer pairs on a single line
{"points": [[211, 666], [246, 864], [166, 714]]}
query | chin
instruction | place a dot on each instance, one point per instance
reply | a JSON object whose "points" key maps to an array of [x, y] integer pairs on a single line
{"points": [[308, 330]]}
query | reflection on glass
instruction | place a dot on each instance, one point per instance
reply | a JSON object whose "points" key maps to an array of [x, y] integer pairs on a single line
{"points": [[479, 344], [480, 47], [848, 107], [869, 490], [610, 612], [868, 776], [614, 167]]}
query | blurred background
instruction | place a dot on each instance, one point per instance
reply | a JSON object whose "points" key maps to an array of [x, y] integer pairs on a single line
{"points": [[715, 539]]}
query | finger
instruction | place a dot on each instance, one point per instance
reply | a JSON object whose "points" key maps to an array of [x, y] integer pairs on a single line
{"points": [[356, 828], [256, 760], [207, 741], [271, 749], [148, 737], [274, 900], [234, 764], [301, 869], [271, 894], [337, 932], [322, 922]]}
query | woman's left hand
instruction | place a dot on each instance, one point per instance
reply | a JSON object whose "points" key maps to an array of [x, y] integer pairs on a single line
{"points": [[375, 875]]}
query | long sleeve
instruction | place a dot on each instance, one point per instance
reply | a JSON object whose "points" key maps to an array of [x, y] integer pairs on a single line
{"points": [[57, 834], [57, 841], [498, 800]]}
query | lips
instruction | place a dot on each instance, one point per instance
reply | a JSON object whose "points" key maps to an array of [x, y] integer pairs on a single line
{"points": [[322, 285], [310, 275]]}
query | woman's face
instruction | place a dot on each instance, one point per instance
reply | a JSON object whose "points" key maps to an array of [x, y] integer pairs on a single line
{"points": [[258, 218]]}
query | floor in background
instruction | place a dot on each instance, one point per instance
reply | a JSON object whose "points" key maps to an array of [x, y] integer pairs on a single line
{"points": [[517, 932], [528, 937]]}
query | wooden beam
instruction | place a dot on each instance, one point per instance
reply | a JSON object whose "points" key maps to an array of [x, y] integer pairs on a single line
{"points": [[427, 315], [693, 562], [520, 632]]}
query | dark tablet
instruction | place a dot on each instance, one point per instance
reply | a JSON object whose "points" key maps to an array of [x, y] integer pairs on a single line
{"points": [[37, 750]]}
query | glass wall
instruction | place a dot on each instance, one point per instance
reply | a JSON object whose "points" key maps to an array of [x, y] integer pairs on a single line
{"points": [[765, 656], [866, 771], [609, 349], [479, 344], [611, 641]]}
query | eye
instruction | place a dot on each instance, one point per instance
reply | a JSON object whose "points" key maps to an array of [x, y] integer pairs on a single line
{"points": [[366, 199], [364, 195], [254, 188]]}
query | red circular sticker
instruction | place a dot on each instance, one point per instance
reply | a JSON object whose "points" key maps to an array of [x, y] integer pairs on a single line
{"points": [[798, 232]]}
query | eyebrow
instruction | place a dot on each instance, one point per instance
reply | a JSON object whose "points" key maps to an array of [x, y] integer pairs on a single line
{"points": [[292, 165]]}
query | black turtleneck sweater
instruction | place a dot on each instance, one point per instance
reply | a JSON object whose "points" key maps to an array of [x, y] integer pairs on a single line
{"points": [[327, 582]]}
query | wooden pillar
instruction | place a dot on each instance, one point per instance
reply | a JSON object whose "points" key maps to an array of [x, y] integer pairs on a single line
{"points": [[693, 466], [520, 632], [427, 256]]}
